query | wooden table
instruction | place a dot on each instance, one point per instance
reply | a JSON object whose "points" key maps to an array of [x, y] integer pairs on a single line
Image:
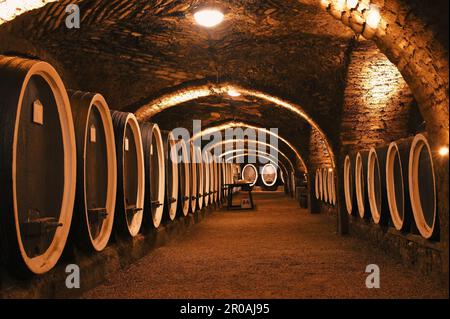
{"points": [[245, 187]]}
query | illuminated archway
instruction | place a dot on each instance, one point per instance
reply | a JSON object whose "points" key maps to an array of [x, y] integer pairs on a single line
{"points": [[259, 152], [220, 144], [178, 97], [212, 130], [276, 163]]}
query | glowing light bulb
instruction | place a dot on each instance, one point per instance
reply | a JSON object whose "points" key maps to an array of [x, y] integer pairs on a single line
{"points": [[209, 17], [443, 151], [373, 18], [330, 170], [233, 93]]}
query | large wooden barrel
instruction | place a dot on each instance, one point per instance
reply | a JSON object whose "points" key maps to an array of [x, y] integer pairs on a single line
{"points": [[38, 165], [321, 193], [155, 174], [349, 186], [269, 175], [224, 179], [130, 174], [250, 174], [201, 178], [325, 184], [215, 179], [96, 171], [422, 186], [183, 178], [317, 184], [397, 186], [171, 174], [207, 178], [331, 187], [220, 186], [362, 198], [376, 185], [194, 176]]}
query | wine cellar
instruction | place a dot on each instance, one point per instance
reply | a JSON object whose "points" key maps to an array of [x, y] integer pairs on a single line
{"points": [[224, 149]]}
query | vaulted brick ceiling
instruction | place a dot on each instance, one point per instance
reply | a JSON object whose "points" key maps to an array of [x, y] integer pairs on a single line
{"points": [[132, 51]]}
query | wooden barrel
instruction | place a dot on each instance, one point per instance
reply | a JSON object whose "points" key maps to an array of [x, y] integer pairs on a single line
{"points": [[362, 198], [397, 186], [130, 174], [171, 174], [269, 175], [325, 184], [349, 186], [376, 185], [215, 179], [96, 171], [194, 177], [183, 178], [321, 193], [201, 178], [250, 174], [422, 186], [317, 183], [207, 178], [224, 179], [220, 186], [38, 165], [155, 174], [331, 187], [230, 173]]}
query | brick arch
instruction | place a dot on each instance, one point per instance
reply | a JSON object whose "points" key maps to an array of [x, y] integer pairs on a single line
{"points": [[407, 41], [265, 156], [232, 124], [178, 97], [230, 152]]}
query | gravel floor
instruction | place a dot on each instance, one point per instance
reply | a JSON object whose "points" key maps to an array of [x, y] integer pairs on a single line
{"points": [[277, 251]]}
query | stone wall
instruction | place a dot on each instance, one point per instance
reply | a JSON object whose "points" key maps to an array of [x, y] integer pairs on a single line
{"points": [[379, 108]]}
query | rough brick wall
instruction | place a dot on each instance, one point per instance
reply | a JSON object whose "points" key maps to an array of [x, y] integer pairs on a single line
{"points": [[318, 157], [378, 104]]}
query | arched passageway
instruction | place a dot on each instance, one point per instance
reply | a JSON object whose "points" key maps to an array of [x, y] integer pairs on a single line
{"points": [[355, 94]]}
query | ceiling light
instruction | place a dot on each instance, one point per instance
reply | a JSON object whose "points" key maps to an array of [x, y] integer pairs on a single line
{"points": [[208, 17], [373, 17], [443, 151], [233, 93]]}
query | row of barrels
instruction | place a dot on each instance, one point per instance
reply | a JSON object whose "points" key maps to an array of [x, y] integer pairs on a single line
{"points": [[325, 185], [73, 171], [394, 185], [268, 174]]}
